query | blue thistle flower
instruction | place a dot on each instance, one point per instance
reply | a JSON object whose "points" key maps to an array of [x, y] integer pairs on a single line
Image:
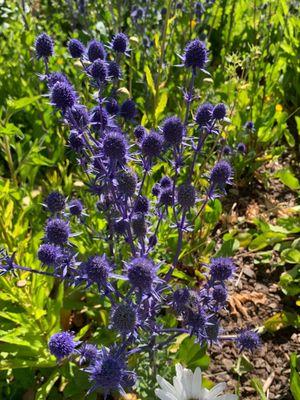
{"points": [[141, 205], [141, 274], [124, 318], [221, 174], [152, 144], [62, 95], [76, 48], [112, 106], [181, 299], [78, 116], [139, 225], [249, 125], [99, 70], [173, 131], [120, 42], [219, 294], [127, 182], [48, 253], [186, 195], [56, 77], [115, 146], [114, 70], [55, 202], [44, 46], [165, 182], [121, 226], [88, 354], [61, 345], [95, 50], [75, 207], [248, 340], [128, 109], [57, 231], [219, 111], [76, 141], [99, 118], [221, 269], [156, 189], [140, 132], [241, 148], [97, 270], [212, 329], [195, 54], [166, 196], [204, 114], [227, 150]]}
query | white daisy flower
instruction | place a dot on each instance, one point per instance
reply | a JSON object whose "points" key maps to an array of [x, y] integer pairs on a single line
{"points": [[188, 386]]}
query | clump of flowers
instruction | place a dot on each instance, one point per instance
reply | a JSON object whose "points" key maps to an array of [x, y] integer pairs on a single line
{"points": [[118, 166]]}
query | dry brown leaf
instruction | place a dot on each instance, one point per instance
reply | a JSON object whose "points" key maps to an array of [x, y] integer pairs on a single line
{"points": [[237, 300], [252, 211]]}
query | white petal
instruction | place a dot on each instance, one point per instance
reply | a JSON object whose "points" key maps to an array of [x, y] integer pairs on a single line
{"points": [[162, 395], [177, 383], [165, 385], [189, 384], [197, 383], [216, 390], [179, 370]]}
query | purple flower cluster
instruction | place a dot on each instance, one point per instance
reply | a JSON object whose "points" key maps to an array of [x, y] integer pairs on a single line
{"points": [[118, 171]]}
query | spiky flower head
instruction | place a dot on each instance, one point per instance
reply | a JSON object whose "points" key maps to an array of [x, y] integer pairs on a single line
{"points": [[152, 144], [88, 354], [241, 148], [204, 114], [76, 141], [227, 150], [139, 225], [95, 50], [219, 294], [219, 111], [180, 299], [115, 146], [55, 202], [121, 226], [56, 77], [97, 269], [221, 269], [165, 182], [186, 195], [248, 340], [78, 116], [128, 109], [140, 132], [112, 106], [44, 46], [99, 70], [212, 328], [99, 118], [48, 253], [62, 95], [127, 181], [61, 344], [249, 125], [141, 273], [75, 207], [166, 196], [195, 54], [156, 189], [141, 205], [114, 70], [124, 318], [173, 130], [221, 174], [120, 42], [76, 48], [106, 372], [57, 231]]}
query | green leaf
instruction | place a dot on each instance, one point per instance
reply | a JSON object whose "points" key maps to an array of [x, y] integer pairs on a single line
{"points": [[291, 256], [18, 104], [11, 130], [282, 320], [257, 385], [295, 377], [161, 104], [44, 390], [243, 366], [150, 80], [288, 178], [192, 355], [266, 239]]}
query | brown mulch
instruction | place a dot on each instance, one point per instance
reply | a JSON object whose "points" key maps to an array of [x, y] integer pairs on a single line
{"points": [[255, 297]]}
